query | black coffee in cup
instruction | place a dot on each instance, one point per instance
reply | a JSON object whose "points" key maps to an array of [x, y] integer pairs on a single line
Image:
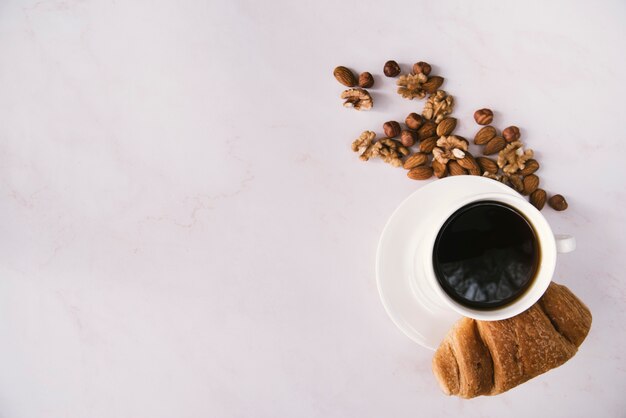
{"points": [[486, 255]]}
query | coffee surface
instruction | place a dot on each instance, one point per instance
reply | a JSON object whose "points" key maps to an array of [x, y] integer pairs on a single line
{"points": [[486, 255]]}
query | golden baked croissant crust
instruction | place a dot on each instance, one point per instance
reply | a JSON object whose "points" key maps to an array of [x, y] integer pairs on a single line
{"points": [[490, 357]]}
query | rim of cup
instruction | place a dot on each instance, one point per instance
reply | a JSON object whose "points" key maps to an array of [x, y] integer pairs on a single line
{"points": [[543, 275]]}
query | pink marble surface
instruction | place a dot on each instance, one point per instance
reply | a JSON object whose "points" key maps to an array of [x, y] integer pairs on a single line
{"points": [[186, 233]]}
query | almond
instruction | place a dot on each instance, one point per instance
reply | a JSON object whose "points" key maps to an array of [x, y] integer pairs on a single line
{"points": [[531, 183], [427, 145], [432, 84], [344, 76], [557, 202], [422, 172], [441, 170], [487, 164], [446, 127], [469, 163], [517, 183], [530, 167], [538, 198], [427, 130], [455, 169], [475, 171], [419, 158], [485, 135], [494, 146]]}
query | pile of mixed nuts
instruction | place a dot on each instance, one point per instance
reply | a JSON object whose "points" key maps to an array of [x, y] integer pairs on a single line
{"points": [[426, 145]]}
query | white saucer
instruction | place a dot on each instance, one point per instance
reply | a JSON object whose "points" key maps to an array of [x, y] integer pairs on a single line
{"points": [[398, 278]]}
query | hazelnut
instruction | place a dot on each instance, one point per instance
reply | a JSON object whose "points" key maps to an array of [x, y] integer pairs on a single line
{"points": [[366, 80], [483, 116], [408, 138], [391, 128], [421, 67], [511, 134], [414, 121], [391, 69], [557, 202]]}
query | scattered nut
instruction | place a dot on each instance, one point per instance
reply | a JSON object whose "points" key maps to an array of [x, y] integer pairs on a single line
{"points": [[392, 128], [422, 172], [497, 177], [483, 116], [408, 138], [516, 183], [357, 98], [514, 167], [446, 126], [455, 169], [414, 121], [364, 144], [474, 171], [485, 135], [531, 183], [438, 106], [432, 84], [411, 86], [462, 138], [391, 68], [513, 157], [511, 134], [494, 146], [487, 165], [538, 198], [557, 202], [427, 130], [391, 151], [390, 142], [449, 148], [440, 170], [530, 167], [366, 80], [469, 163], [428, 145], [417, 159], [421, 68], [344, 76]]}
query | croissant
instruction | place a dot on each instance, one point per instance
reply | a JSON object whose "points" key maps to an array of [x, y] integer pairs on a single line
{"points": [[490, 357]]}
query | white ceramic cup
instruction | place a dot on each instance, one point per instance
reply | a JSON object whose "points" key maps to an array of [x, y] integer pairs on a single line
{"points": [[549, 245]]}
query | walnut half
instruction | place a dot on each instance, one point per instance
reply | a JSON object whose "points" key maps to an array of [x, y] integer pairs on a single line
{"points": [[359, 99], [387, 149], [513, 158], [438, 106], [449, 148], [411, 86]]}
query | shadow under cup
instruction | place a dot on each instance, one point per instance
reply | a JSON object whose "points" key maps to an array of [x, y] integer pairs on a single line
{"points": [[486, 255]]}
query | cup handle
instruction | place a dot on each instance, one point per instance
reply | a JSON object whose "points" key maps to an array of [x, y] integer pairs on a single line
{"points": [[565, 243]]}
